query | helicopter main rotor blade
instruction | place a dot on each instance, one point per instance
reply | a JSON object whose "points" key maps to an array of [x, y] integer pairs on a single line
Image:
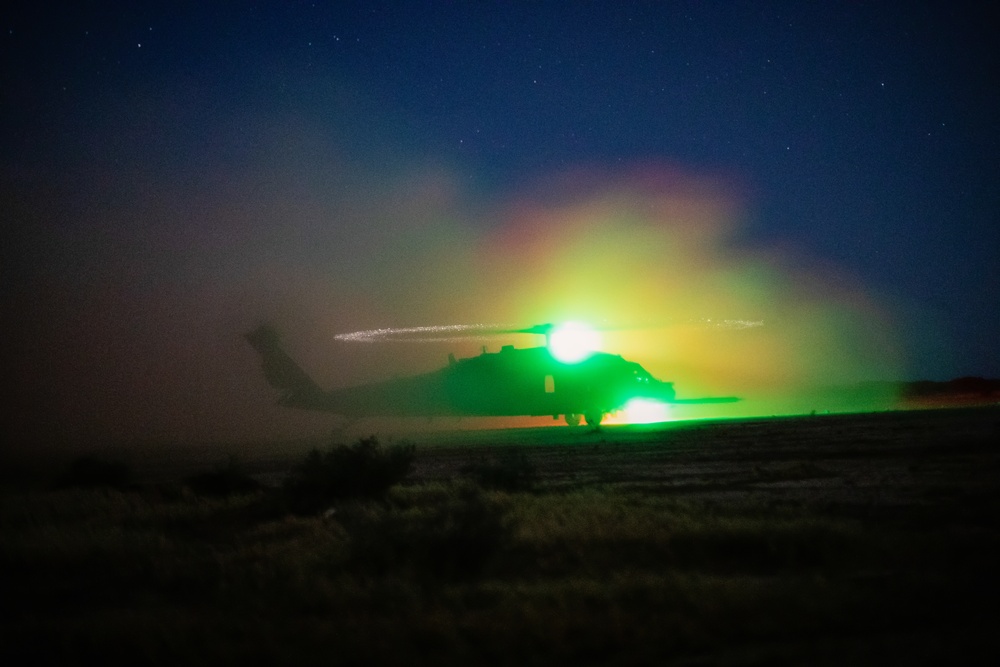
{"points": [[436, 333], [429, 334]]}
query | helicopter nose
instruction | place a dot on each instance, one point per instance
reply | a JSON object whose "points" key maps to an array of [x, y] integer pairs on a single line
{"points": [[664, 391]]}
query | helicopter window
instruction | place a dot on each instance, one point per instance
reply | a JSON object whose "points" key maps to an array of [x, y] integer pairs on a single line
{"points": [[550, 384]]}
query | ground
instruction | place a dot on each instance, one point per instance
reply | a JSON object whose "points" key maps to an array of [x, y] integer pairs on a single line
{"points": [[828, 539]]}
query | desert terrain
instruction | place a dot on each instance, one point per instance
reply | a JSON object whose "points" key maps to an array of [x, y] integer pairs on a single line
{"points": [[825, 539]]}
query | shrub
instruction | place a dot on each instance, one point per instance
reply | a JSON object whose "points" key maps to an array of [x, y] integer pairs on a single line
{"points": [[455, 539], [229, 480], [362, 470], [464, 538], [90, 471]]}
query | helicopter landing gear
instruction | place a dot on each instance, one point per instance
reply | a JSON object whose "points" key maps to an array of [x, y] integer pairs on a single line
{"points": [[572, 420], [594, 417]]}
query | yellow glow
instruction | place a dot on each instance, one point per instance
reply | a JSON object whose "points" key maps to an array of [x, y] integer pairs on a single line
{"points": [[573, 342], [644, 411], [653, 256]]}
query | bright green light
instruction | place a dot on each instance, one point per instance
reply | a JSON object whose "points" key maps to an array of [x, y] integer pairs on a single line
{"points": [[645, 411], [573, 342]]}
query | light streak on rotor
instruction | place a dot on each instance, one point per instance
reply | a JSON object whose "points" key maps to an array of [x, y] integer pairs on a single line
{"points": [[428, 334], [456, 332], [730, 324]]}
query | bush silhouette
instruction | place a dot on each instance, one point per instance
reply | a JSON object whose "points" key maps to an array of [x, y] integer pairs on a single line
{"points": [[229, 480], [362, 470], [90, 471], [458, 537], [462, 539]]}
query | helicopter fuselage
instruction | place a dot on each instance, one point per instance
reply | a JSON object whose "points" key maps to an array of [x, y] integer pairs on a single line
{"points": [[511, 382]]}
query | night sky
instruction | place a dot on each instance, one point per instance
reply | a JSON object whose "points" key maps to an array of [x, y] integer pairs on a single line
{"points": [[173, 174]]}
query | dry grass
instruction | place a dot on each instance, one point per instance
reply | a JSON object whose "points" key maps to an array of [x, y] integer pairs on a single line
{"points": [[732, 569]]}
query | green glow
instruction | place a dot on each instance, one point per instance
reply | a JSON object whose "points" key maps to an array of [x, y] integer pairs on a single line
{"points": [[573, 342], [645, 411]]}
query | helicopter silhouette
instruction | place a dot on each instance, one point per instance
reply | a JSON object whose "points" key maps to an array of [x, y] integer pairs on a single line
{"points": [[535, 381]]}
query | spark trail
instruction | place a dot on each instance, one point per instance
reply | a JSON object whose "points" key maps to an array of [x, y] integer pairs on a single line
{"points": [[457, 332], [428, 334]]}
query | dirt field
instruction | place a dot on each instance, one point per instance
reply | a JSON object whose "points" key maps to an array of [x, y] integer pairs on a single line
{"points": [[890, 461], [830, 539]]}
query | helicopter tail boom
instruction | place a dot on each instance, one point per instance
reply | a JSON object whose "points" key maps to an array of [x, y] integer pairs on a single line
{"points": [[282, 373]]}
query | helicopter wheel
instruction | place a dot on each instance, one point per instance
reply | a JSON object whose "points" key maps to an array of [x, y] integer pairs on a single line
{"points": [[572, 420], [594, 418]]}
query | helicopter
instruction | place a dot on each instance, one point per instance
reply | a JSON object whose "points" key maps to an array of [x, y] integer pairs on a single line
{"points": [[563, 378]]}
